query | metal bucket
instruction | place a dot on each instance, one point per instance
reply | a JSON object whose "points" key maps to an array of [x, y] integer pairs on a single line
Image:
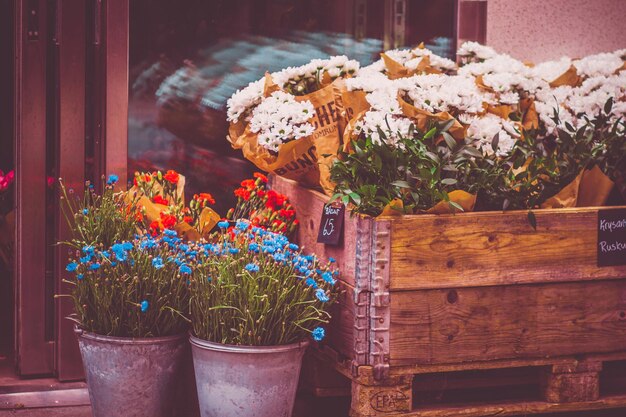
{"points": [[130, 377], [246, 381]]}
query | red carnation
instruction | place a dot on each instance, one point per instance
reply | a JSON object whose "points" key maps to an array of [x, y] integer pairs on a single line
{"points": [[158, 199], [172, 176], [260, 176]]}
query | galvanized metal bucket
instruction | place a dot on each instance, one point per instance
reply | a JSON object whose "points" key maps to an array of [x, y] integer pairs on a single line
{"points": [[246, 381], [130, 377]]}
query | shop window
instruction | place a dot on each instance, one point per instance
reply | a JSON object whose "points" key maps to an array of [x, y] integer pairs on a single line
{"points": [[187, 58]]}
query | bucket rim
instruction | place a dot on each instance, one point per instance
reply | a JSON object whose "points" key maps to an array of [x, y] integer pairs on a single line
{"points": [[221, 347], [81, 333]]}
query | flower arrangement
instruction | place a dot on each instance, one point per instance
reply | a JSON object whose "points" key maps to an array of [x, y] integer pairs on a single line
{"points": [[253, 287], [161, 202], [281, 119], [135, 288], [264, 208], [536, 134], [98, 219]]}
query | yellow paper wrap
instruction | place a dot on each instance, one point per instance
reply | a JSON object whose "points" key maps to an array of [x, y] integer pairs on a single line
{"points": [[590, 188]]}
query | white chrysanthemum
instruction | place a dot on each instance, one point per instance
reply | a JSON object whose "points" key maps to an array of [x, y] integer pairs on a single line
{"points": [[399, 55], [497, 64], [336, 66], [367, 81], [279, 118], [484, 129], [436, 61], [551, 70], [599, 64], [244, 99], [394, 127], [455, 94], [474, 50]]}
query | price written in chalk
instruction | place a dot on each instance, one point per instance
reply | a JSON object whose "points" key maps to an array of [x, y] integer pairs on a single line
{"points": [[612, 237], [331, 224]]}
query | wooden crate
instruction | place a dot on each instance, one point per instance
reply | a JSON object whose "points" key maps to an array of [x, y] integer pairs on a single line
{"points": [[444, 293]]}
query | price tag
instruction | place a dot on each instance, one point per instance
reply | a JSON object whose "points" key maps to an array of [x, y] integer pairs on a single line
{"points": [[331, 225], [611, 237]]}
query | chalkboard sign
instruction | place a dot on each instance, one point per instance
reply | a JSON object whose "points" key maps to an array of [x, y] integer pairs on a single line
{"points": [[331, 225], [612, 237]]}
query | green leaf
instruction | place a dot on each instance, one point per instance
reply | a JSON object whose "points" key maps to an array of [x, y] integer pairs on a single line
{"points": [[401, 184], [456, 205], [445, 127], [608, 106], [449, 181], [355, 198], [430, 133], [449, 140], [495, 142], [532, 220]]}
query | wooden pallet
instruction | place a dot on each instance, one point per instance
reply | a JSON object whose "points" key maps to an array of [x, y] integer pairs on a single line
{"points": [[489, 388]]}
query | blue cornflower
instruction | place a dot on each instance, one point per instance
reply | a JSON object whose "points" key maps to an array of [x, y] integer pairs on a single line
{"points": [[328, 277], [234, 251], [85, 259], [71, 267], [169, 233], [311, 282], [79, 276], [85, 211], [209, 279], [185, 269], [121, 256], [279, 257], [318, 334], [144, 306], [88, 250], [321, 295], [223, 224], [157, 262], [147, 244], [127, 245], [105, 254], [184, 247], [268, 249], [293, 246], [242, 225], [254, 247], [94, 266], [332, 260], [112, 179], [252, 267]]}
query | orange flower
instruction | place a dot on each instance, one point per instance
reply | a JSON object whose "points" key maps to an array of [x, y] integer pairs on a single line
{"points": [[172, 176], [249, 184], [188, 219], [168, 220]]}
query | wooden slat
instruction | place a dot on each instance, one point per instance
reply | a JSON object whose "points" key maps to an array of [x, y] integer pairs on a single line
{"points": [[341, 329], [513, 408], [33, 350], [494, 248], [71, 164], [507, 322]]}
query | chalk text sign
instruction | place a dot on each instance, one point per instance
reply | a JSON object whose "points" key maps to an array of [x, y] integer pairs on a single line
{"points": [[612, 237], [331, 225]]}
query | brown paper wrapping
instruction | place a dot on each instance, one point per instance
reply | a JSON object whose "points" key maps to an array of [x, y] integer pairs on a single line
{"points": [[462, 198], [296, 160], [325, 138], [394, 208], [423, 117], [530, 120], [349, 104], [590, 188], [396, 70], [569, 77]]}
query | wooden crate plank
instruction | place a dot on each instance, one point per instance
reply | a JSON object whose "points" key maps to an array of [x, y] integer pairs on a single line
{"points": [[341, 331], [507, 322], [309, 205], [510, 408], [494, 248]]}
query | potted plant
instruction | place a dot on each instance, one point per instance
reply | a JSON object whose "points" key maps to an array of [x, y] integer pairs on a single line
{"points": [[129, 292], [255, 300]]}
